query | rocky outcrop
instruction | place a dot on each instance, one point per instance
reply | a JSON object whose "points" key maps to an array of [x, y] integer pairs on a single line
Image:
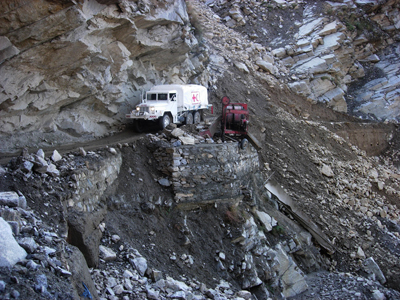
{"points": [[324, 51], [75, 68]]}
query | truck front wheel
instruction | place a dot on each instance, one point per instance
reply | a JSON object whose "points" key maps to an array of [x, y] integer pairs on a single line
{"points": [[165, 121]]}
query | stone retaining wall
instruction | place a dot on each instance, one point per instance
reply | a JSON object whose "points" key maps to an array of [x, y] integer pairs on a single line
{"points": [[206, 172], [90, 183]]}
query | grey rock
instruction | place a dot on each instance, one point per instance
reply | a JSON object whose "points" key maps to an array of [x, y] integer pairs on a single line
{"points": [[15, 294], [28, 243], [27, 166], [164, 182], [153, 294], [52, 170], [40, 165], [118, 289], [242, 67], [31, 265], [378, 295], [111, 282], [41, 283], [127, 274], [12, 199], [140, 263], [372, 268]]}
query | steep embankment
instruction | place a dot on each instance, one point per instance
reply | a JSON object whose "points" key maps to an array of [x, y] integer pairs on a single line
{"points": [[351, 197]]}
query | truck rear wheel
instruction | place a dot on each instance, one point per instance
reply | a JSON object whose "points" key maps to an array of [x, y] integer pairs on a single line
{"points": [[196, 117], [189, 118], [165, 120]]}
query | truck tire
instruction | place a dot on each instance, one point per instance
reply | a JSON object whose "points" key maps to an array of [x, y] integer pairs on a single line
{"points": [[165, 120], [189, 118], [244, 143], [196, 118]]}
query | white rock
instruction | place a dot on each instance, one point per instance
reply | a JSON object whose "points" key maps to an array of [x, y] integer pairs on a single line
{"points": [[378, 295], [127, 274], [187, 140], [10, 251], [107, 254], [306, 29], [177, 132], [242, 67], [327, 171], [40, 153], [115, 238], [56, 156], [330, 28], [360, 253], [266, 66], [268, 221], [279, 52]]}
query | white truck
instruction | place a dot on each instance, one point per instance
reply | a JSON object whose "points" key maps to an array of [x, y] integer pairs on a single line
{"points": [[173, 103]]}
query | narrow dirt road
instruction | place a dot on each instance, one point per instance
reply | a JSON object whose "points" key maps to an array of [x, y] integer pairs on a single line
{"points": [[126, 136]]}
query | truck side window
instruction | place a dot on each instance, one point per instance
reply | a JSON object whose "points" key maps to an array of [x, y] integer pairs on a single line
{"points": [[172, 96], [163, 96]]}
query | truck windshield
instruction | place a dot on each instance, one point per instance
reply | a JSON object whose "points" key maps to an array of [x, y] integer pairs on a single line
{"points": [[153, 96], [163, 96]]}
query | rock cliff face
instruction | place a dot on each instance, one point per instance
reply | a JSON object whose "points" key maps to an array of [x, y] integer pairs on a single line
{"points": [[342, 53], [77, 66]]}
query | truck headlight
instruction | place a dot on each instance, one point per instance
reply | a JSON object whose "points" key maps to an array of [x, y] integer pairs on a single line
{"points": [[152, 109], [137, 108]]}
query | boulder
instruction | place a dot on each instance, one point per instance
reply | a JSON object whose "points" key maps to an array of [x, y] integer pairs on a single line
{"points": [[84, 233], [10, 251]]}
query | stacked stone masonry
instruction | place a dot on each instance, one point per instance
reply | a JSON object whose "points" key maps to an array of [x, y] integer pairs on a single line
{"points": [[90, 183], [207, 172]]}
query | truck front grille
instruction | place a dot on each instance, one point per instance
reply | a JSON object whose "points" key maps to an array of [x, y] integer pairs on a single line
{"points": [[144, 109]]}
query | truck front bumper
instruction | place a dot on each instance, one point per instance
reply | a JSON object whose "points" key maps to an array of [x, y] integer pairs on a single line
{"points": [[142, 117]]}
